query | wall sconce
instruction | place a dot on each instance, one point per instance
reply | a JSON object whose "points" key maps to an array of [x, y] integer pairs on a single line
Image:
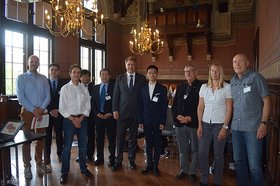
{"points": [[170, 58], [189, 57], [208, 57]]}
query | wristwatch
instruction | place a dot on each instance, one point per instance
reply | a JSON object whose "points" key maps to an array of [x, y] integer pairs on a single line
{"points": [[225, 127], [265, 122]]}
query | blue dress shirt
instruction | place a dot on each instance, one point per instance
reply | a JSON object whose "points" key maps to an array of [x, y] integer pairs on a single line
{"points": [[33, 91]]}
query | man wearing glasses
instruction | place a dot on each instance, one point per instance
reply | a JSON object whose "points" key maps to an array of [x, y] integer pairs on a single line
{"points": [[184, 112]]}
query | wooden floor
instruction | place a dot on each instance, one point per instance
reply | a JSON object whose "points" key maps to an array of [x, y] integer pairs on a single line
{"points": [[104, 176]]}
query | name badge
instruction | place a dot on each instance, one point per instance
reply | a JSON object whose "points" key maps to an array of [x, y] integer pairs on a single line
{"points": [[185, 96], [155, 99], [212, 98], [247, 89], [108, 98]]}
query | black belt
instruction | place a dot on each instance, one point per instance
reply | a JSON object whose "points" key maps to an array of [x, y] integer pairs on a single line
{"points": [[77, 116]]}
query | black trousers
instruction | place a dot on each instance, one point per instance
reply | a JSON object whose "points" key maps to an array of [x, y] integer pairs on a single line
{"points": [[122, 126], [110, 127], [57, 124], [91, 137]]}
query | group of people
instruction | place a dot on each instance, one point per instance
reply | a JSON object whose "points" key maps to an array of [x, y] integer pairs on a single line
{"points": [[201, 112]]}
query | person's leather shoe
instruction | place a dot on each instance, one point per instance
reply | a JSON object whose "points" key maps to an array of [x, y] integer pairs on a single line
{"points": [[116, 166], [98, 162], [63, 178], [193, 178], [77, 159], [156, 171], [132, 165], [181, 175], [87, 173], [146, 170]]}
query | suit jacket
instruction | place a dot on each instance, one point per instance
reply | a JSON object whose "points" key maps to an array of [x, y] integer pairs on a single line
{"points": [[54, 95], [153, 111], [188, 106], [95, 99], [125, 102]]}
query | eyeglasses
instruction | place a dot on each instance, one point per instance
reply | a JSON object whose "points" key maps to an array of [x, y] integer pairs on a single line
{"points": [[189, 71]]}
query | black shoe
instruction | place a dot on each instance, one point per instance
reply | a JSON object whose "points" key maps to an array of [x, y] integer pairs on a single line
{"points": [[203, 184], [77, 159], [111, 163], [63, 178], [87, 173], [193, 178], [116, 166], [98, 162], [156, 171], [147, 170], [181, 175], [132, 165]]}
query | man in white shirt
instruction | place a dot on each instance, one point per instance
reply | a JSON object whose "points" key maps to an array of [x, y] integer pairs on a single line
{"points": [[74, 106]]}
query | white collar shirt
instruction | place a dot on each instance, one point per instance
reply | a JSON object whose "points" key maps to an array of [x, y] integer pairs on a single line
{"points": [[74, 100], [151, 89], [215, 103]]}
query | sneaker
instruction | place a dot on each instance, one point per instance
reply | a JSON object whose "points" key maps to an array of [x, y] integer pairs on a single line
{"points": [[49, 168], [40, 169], [27, 173]]}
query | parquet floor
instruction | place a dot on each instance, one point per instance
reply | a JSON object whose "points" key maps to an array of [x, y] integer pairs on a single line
{"points": [[104, 176]]}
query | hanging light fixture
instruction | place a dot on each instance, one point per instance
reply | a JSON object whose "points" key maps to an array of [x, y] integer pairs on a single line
{"points": [[145, 41], [69, 17]]}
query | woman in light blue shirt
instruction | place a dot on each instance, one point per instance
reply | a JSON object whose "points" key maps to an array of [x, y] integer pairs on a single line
{"points": [[214, 113]]}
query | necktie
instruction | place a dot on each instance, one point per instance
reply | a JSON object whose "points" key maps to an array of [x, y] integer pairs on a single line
{"points": [[130, 83], [102, 98], [54, 86]]}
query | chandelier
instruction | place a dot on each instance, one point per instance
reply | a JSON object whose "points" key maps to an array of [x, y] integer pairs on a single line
{"points": [[70, 15], [145, 41]]}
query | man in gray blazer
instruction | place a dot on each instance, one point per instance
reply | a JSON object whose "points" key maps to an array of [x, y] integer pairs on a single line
{"points": [[125, 110]]}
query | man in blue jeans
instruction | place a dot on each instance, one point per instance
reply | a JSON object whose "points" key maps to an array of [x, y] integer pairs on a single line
{"points": [[251, 106], [74, 106]]}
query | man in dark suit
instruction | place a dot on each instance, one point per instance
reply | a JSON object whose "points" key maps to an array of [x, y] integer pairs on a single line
{"points": [[125, 107], [86, 81], [101, 99], [55, 119], [152, 117]]}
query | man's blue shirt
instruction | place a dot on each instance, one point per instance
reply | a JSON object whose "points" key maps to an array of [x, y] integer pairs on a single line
{"points": [[33, 91]]}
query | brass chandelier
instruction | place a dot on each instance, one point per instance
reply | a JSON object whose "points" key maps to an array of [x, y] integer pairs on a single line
{"points": [[69, 17], [145, 41]]}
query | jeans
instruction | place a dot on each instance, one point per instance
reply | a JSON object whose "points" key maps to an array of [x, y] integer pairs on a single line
{"points": [[210, 133], [247, 154], [69, 131], [187, 137]]}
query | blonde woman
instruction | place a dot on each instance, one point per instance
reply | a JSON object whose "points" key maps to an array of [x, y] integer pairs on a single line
{"points": [[214, 113]]}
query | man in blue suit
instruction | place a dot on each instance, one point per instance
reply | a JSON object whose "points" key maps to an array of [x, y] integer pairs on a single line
{"points": [[152, 117]]}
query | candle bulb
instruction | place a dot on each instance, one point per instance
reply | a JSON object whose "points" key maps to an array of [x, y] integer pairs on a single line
{"points": [[102, 17]]}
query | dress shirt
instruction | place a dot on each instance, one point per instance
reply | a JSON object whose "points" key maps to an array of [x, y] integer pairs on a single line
{"points": [[74, 100], [247, 94], [151, 89], [128, 78], [33, 91], [215, 103]]}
